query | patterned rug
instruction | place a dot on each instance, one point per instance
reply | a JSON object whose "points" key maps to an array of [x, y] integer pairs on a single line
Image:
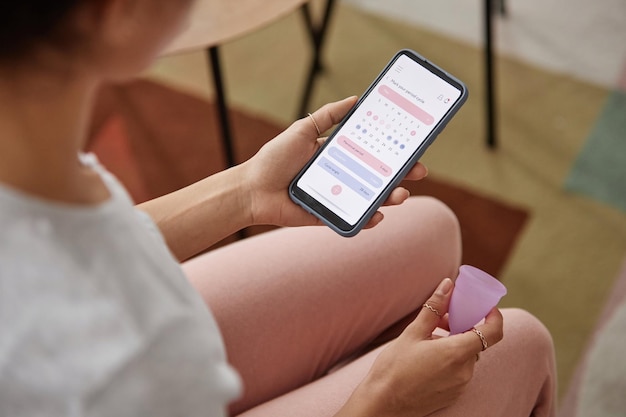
{"points": [[600, 170], [157, 140]]}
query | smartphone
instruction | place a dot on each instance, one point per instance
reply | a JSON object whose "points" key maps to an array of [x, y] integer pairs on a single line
{"points": [[378, 142]]}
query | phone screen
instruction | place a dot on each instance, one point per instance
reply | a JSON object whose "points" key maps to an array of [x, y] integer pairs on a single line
{"points": [[376, 144]]}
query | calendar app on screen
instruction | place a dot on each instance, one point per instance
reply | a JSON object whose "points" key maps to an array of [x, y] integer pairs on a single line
{"points": [[379, 138]]}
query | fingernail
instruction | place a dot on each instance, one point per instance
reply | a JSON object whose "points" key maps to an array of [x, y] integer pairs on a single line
{"points": [[445, 287]]}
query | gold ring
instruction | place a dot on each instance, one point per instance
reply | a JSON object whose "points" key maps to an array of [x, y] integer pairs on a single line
{"points": [[431, 308], [482, 337], [316, 126]]}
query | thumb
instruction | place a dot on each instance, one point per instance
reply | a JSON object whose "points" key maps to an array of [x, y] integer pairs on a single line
{"points": [[433, 310]]}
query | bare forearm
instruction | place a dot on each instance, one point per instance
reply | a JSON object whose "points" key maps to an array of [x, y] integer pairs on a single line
{"points": [[363, 402], [197, 216]]}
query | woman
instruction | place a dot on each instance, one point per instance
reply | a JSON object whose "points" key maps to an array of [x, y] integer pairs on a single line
{"points": [[98, 319]]}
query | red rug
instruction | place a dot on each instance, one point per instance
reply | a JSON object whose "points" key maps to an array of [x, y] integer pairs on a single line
{"points": [[157, 140]]}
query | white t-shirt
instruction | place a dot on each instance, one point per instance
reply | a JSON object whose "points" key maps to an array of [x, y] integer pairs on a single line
{"points": [[96, 317]]}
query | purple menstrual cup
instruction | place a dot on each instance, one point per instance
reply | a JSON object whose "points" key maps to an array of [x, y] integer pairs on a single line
{"points": [[475, 294]]}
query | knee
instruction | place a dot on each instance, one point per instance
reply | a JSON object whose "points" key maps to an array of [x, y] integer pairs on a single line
{"points": [[428, 227], [438, 212], [426, 210], [441, 225], [527, 333]]}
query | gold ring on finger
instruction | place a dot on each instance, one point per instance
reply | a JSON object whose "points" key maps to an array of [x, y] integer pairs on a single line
{"points": [[431, 308], [480, 334], [315, 124]]}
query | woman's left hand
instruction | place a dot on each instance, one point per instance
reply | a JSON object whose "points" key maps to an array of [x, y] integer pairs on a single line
{"points": [[269, 172]]}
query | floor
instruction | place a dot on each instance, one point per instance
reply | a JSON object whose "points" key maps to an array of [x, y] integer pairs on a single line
{"points": [[560, 65], [576, 37]]}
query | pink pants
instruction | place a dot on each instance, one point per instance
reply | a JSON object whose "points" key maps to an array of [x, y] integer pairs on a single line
{"points": [[301, 308]]}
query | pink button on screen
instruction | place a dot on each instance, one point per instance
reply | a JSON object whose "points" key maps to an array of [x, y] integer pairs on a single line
{"points": [[365, 156], [405, 104]]}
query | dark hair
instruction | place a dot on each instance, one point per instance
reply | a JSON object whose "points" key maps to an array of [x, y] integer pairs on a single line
{"points": [[26, 23]]}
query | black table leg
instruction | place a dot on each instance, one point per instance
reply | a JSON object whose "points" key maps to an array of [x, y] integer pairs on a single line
{"points": [[489, 77], [222, 108], [317, 33]]}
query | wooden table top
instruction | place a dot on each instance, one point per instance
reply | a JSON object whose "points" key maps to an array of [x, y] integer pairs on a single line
{"points": [[214, 22]]}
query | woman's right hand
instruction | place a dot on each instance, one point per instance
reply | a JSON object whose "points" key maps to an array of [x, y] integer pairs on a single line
{"points": [[419, 373]]}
